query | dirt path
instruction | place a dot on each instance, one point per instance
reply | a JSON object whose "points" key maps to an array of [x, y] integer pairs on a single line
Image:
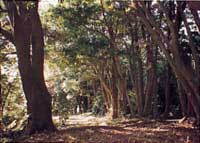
{"points": [[86, 119], [86, 128]]}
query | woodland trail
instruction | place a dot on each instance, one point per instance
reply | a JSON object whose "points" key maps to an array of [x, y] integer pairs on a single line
{"points": [[86, 119], [86, 128]]}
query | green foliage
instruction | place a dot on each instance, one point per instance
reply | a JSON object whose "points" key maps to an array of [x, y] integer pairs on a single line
{"points": [[61, 104], [13, 103], [98, 107], [133, 100]]}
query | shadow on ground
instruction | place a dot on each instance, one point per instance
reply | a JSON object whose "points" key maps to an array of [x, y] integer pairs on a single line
{"points": [[129, 131]]}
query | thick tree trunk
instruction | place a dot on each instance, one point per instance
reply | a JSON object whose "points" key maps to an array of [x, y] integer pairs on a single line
{"points": [[41, 110], [29, 43]]}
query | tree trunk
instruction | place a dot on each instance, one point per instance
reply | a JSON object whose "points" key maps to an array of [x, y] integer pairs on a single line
{"points": [[140, 85], [115, 103], [171, 52], [139, 73], [122, 88], [136, 68], [1, 103], [41, 110], [29, 43], [132, 76], [107, 92], [182, 98], [151, 77], [167, 91]]}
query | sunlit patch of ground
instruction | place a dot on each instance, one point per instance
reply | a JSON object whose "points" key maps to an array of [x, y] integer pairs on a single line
{"points": [[86, 119], [86, 128]]}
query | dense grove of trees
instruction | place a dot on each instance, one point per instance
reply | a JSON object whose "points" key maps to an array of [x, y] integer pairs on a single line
{"points": [[141, 58]]}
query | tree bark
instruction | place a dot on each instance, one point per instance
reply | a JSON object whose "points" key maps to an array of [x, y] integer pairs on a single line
{"points": [[182, 98], [171, 51], [115, 103], [151, 79], [167, 91], [138, 72], [1, 103], [29, 43]]}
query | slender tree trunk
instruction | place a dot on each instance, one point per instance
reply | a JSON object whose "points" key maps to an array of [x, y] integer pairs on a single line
{"points": [[140, 83], [150, 79], [139, 72], [122, 88], [192, 47], [105, 98], [132, 76], [114, 77], [108, 93], [167, 91], [155, 84], [1, 103], [182, 98], [184, 74], [115, 103]]}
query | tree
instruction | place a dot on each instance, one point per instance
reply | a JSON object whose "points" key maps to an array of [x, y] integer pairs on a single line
{"points": [[116, 41], [27, 37], [187, 74]]}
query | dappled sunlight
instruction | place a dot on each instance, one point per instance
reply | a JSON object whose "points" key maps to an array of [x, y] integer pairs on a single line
{"points": [[86, 119], [99, 71], [87, 128]]}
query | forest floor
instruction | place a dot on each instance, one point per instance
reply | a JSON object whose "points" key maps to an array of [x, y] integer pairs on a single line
{"points": [[86, 128]]}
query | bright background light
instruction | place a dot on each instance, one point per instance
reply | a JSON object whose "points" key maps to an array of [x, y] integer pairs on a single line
{"points": [[45, 4]]}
